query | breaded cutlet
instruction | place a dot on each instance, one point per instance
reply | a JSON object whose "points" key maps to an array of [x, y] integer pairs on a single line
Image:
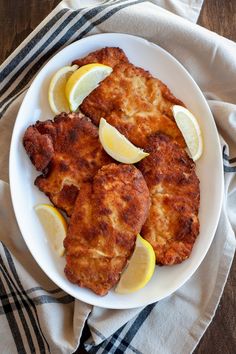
{"points": [[130, 99], [108, 215], [110, 56], [172, 225], [68, 152]]}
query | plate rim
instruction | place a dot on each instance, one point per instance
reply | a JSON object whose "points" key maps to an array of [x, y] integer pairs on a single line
{"points": [[221, 177]]}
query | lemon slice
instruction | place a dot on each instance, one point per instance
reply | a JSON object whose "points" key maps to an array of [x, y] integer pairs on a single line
{"points": [[83, 81], [190, 129], [54, 225], [140, 268], [117, 145], [56, 93]]}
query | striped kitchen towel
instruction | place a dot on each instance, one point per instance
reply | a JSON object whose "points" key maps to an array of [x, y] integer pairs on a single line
{"points": [[35, 315]]}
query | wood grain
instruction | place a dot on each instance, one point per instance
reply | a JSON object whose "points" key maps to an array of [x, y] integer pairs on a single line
{"points": [[19, 18], [220, 337], [219, 16]]}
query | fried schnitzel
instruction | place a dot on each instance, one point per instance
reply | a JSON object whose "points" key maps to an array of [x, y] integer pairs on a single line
{"points": [[110, 56], [172, 224], [109, 204], [131, 99], [68, 152], [107, 217]]}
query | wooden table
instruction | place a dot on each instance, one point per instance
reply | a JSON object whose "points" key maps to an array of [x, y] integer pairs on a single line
{"points": [[19, 18]]}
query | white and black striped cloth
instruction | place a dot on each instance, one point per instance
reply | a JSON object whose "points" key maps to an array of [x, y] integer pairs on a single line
{"points": [[36, 316]]}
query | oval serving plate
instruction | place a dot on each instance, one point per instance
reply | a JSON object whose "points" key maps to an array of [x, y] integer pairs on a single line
{"points": [[25, 195]]}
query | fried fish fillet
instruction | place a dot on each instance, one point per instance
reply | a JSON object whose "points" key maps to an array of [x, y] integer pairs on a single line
{"points": [[172, 224], [68, 152], [108, 214], [110, 56], [135, 102]]}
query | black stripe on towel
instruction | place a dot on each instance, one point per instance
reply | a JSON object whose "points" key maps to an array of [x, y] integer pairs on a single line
{"points": [[141, 318], [228, 168], [87, 16], [39, 299], [9, 313], [118, 343], [106, 16], [28, 304], [33, 58], [30, 45]]}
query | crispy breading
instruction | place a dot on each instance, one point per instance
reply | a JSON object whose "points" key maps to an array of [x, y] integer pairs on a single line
{"points": [[107, 217], [39, 148], [172, 224], [110, 56], [68, 152], [135, 102]]}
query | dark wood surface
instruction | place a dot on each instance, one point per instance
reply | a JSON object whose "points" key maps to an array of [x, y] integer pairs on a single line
{"points": [[19, 17]]}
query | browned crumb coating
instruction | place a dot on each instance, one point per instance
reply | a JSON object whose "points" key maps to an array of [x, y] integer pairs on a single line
{"points": [[68, 152], [134, 102], [107, 217], [110, 56], [172, 224]]}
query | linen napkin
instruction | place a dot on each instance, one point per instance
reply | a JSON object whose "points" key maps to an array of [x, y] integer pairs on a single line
{"points": [[36, 316]]}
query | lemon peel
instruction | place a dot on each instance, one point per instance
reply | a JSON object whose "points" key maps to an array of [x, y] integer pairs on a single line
{"points": [[56, 92], [83, 81], [54, 224], [140, 268], [189, 127], [117, 145]]}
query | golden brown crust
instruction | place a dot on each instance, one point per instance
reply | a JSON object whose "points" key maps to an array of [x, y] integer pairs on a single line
{"points": [[110, 56], [135, 103], [108, 215], [76, 156], [172, 224], [38, 147]]}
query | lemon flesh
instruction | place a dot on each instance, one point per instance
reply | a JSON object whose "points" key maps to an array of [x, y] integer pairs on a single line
{"points": [[139, 270], [56, 93], [189, 127], [117, 145], [83, 81], [54, 224]]}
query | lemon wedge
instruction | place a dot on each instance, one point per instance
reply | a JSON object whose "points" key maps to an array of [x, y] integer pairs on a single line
{"points": [[117, 145], [54, 225], [56, 93], [140, 268], [83, 81], [189, 127]]}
